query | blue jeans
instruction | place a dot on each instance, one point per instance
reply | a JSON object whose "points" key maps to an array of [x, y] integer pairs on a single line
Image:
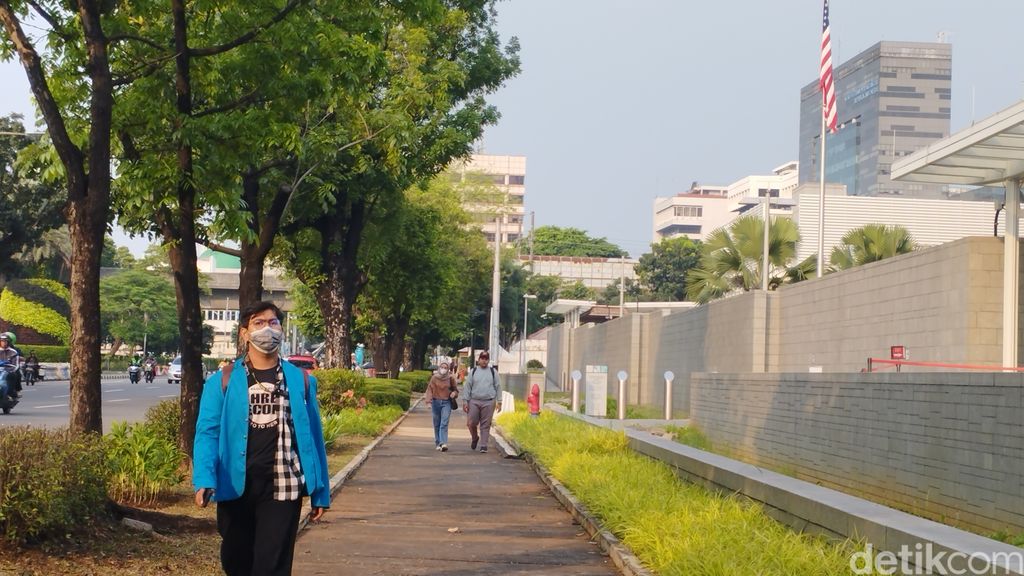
{"points": [[442, 410]]}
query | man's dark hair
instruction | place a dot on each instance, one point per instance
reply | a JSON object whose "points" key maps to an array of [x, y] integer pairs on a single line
{"points": [[253, 309]]}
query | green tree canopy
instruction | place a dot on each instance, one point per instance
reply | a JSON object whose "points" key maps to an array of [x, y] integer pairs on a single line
{"points": [[31, 205], [139, 306], [870, 243], [662, 271], [556, 241]]}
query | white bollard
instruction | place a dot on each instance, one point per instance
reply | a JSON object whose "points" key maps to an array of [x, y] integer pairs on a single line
{"points": [[622, 393], [576, 375], [669, 377]]}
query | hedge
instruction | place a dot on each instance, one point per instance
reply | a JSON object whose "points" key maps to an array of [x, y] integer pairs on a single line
{"points": [[36, 304], [51, 483], [418, 378], [47, 353], [47, 293]]}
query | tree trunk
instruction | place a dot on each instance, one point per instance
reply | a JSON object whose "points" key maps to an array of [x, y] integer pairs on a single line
{"points": [[343, 280], [88, 178], [190, 327], [180, 234], [407, 355], [87, 224], [336, 307], [397, 329]]}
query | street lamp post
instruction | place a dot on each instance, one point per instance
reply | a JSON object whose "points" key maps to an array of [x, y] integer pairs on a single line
{"points": [[522, 341]]}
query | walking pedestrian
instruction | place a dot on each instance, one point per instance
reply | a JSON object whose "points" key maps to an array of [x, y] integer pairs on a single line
{"points": [[259, 449], [441, 392], [481, 394]]}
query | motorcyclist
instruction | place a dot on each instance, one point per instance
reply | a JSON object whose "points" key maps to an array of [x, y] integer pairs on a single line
{"points": [[134, 369], [10, 354], [32, 368], [149, 367]]}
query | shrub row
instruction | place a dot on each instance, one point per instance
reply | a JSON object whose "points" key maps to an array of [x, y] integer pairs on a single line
{"points": [[336, 387], [20, 311], [50, 481], [418, 378], [143, 462], [368, 422], [47, 353], [674, 527]]}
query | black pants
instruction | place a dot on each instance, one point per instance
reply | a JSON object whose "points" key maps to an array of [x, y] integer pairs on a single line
{"points": [[258, 533]]}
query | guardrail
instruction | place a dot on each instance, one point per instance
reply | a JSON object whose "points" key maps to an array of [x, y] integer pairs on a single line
{"points": [[888, 363]]}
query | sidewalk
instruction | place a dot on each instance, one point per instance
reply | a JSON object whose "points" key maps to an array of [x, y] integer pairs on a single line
{"points": [[393, 517]]}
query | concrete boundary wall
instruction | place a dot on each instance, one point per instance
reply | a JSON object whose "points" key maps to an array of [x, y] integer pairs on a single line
{"points": [[807, 507], [944, 446], [943, 303]]}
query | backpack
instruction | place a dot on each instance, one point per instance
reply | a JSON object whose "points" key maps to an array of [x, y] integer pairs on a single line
{"points": [[494, 376], [225, 376]]}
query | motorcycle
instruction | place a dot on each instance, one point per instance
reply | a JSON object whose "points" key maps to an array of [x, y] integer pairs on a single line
{"points": [[134, 372], [8, 400], [150, 372], [29, 374]]}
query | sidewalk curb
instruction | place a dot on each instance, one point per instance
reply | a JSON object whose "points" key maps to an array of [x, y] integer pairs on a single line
{"points": [[338, 480], [620, 554]]}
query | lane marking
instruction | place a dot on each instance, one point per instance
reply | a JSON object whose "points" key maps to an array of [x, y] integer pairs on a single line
{"points": [[116, 390], [63, 396], [119, 400], [51, 406], [169, 396]]}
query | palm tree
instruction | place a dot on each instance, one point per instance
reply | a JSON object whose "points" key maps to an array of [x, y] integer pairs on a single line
{"points": [[732, 259], [870, 243]]}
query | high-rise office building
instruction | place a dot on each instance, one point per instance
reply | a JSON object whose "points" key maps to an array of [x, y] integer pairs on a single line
{"points": [[494, 188], [892, 99]]}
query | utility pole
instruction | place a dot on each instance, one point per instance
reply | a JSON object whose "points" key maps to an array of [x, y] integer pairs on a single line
{"points": [[622, 286], [496, 292], [532, 214]]}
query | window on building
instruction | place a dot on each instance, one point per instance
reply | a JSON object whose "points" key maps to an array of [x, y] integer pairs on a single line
{"points": [[689, 211], [489, 236], [512, 237], [517, 179], [498, 179], [770, 192]]}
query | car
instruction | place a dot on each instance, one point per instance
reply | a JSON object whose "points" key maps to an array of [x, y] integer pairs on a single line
{"points": [[304, 361], [174, 371]]}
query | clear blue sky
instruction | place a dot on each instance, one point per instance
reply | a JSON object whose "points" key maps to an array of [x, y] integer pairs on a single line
{"points": [[620, 102]]}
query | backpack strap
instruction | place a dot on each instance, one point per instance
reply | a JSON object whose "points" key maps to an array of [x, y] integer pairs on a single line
{"points": [[225, 377]]}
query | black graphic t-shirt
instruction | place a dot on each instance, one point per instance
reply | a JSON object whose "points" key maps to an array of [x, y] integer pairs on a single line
{"points": [[264, 416]]}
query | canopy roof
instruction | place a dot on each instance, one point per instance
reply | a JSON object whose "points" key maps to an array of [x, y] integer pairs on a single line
{"points": [[989, 152]]}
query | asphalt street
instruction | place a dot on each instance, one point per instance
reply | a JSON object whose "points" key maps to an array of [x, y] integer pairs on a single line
{"points": [[46, 403]]}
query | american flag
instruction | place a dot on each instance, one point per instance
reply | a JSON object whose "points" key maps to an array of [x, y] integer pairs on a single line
{"points": [[828, 89]]}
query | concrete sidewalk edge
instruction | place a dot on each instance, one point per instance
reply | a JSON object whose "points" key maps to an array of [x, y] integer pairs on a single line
{"points": [[338, 480], [623, 558]]}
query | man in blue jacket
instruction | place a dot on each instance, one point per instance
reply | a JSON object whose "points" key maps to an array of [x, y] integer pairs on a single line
{"points": [[259, 448]]}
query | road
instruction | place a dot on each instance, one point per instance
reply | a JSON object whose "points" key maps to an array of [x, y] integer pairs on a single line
{"points": [[46, 403]]}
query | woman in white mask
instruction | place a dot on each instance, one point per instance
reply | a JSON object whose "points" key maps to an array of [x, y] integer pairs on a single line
{"points": [[440, 397]]}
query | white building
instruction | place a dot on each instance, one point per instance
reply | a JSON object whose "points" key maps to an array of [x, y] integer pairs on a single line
{"points": [[930, 221], [596, 273], [703, 209], [494, 186]]}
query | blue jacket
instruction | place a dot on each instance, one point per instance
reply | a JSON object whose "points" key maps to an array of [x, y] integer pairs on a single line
{"points": [[218, 455]]}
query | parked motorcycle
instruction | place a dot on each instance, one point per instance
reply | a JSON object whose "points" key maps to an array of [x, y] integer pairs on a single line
{"points": [[134, 373], [7, 398]]}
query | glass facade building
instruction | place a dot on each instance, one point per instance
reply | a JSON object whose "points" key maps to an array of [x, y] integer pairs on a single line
{"points": [[892, 100]]}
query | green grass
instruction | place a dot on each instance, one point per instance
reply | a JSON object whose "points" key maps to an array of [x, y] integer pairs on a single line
{"points": [[370, 421], [690, 436], [675, 528]]}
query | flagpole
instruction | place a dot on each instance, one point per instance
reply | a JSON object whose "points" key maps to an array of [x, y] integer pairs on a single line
{"points": [[821, 201]]}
